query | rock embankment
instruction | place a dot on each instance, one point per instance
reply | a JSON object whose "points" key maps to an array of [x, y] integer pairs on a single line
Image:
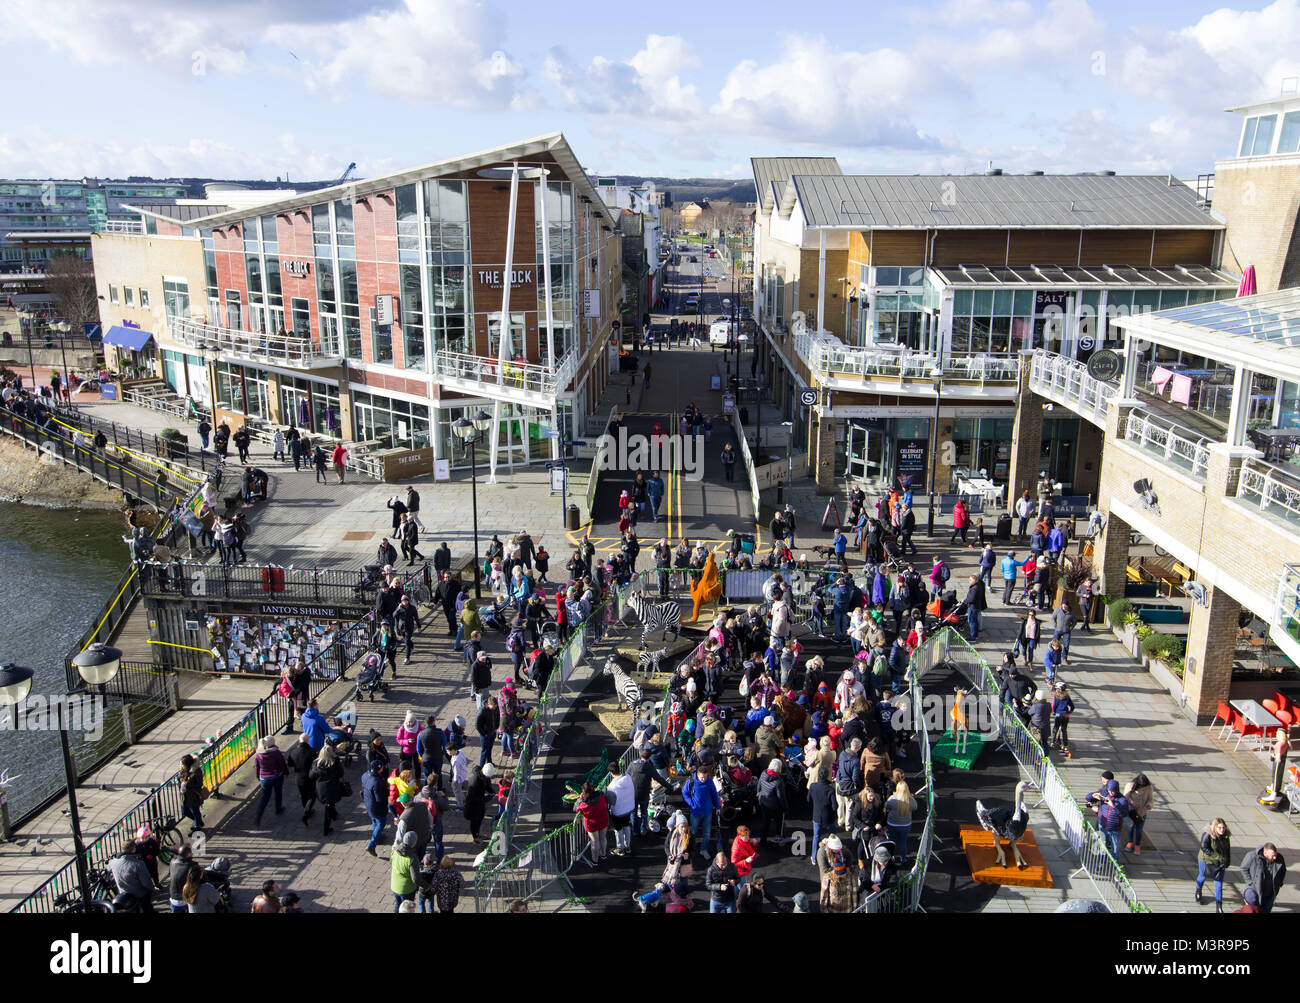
{"points": [[31, 479]]}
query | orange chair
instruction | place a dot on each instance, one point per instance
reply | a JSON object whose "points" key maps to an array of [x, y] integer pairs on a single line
{"points": [[1271, 706], [1282, 702], [1286, 717], [1224, 714]]}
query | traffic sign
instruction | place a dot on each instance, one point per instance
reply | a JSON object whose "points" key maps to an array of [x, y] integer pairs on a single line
{"points": [[808, 397], [551, 433]]}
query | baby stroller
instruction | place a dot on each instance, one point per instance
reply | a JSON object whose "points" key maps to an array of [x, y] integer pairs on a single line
{"points": [[498, 618], [738, 800], [946, 611], [342, 736], [550, 635], [894, 559], [370, 680], [658, 809], [368, 582]]}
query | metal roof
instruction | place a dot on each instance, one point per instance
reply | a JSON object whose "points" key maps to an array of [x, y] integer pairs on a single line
{"points": [[1261, 333], [1016, 201], [180, 213], [1065, 276], [771, 173], [553, 143]]}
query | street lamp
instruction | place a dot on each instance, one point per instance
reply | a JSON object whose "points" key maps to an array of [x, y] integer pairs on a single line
{"points": [[469, 432], [789, 456], [936, 377], [26, 313], [98, 664], [63, 328]]}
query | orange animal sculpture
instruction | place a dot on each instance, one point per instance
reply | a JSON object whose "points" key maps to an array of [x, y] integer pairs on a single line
{"points": [[960, 727], [706, 588]]}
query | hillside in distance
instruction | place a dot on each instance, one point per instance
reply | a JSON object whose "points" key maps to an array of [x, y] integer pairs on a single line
{"points": [[693, 189]]}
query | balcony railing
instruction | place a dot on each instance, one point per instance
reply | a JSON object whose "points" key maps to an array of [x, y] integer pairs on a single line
{"points": [[124, 226], [1286, 616], [526, 378], [288, 349], [1067, 381], [1178, 446], [830, 358], [1274, 489]]}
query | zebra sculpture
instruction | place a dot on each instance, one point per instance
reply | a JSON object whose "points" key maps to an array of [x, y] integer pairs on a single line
{"points": [[629, 692], [648, 661], [656, 617]]}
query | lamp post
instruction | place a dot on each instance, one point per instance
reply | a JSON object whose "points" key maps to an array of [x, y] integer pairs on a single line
{"points": [[469, 431], [936, 377], [97, 665], [28, 332], [789, 456], [63, 328]]}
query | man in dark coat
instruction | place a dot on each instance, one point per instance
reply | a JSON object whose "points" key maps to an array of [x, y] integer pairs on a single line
{"points": [[446, 591], [442, 558], [406, 620], [301, 757], [1265, 870]]}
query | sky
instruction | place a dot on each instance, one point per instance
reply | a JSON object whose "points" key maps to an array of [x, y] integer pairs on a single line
{"points": [[301, 88]]}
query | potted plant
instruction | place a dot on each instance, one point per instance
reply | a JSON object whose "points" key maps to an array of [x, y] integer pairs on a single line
{"points": [[1074, 571]]}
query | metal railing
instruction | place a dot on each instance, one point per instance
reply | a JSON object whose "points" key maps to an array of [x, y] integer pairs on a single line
{"points": [[264, 582], [146, 443], [124, 226], [291, 349], [1095, 859], [830, 358], [1286, 611], [1272, 488], [219, 760], [183, 408], [1067, 382], [1178, 446], [529, 377], [748, 458], [55, 441]]}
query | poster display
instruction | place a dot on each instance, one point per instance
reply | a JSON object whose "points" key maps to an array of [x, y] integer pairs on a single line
{"points": [[910, 456], [256, 645]]}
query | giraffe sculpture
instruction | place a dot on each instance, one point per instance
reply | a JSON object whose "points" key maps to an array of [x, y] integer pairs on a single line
{"points": [[960, 727], [706, 588]]}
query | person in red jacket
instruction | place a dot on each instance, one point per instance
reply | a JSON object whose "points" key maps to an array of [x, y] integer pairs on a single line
{"points": [[960, 522], [594, 810], [561, 615], [743, 853], [340, 457]]}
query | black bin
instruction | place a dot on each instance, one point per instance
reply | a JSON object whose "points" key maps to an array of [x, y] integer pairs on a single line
{"points": [[1004, 528], [574, 518]]}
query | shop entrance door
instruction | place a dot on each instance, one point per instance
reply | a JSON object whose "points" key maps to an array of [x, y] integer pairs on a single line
{"points": [[865, 451]]}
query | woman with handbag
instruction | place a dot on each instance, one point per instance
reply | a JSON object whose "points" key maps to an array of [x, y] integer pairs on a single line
{"points": [[330, 785], [193, 792]]}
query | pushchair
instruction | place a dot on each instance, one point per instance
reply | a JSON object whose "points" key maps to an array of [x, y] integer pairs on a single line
{"points": [[370, 679], [498, 618], [946, 611], [342, 735], [737, 800], [894, 559], [369, 579]]}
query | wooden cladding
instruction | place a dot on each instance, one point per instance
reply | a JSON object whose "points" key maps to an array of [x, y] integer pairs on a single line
{"points": [[1043, 247], [896, 247], [1184, 247], [1115, 247], [964, 247]]}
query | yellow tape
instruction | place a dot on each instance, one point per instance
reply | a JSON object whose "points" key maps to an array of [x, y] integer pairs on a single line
{"points": [[111, 605], [138, 456], [187, 647]]}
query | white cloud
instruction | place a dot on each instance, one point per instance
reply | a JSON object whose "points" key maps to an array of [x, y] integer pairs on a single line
{"points": [[815, 93], [648, 84]]}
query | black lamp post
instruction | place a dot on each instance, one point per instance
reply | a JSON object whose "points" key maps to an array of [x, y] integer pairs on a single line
{"points": [[469, 431], [97, 665], [936, 377], [63, 328]]}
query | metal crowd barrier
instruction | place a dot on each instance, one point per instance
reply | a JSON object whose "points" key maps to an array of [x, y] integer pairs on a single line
{"points": [[1095, 859]]}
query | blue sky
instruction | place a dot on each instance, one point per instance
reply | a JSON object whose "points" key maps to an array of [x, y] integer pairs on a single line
{"points": [[242, 89]]}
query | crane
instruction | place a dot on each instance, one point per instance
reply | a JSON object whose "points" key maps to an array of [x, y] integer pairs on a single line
{"points": [[347, 175]]}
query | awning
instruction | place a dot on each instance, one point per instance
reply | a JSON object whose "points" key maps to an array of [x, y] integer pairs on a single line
{"points": [[127, 337]]}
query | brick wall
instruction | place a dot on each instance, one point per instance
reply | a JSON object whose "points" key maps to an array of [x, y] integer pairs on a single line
{"points": [[1211, 643], [1261, 204]]}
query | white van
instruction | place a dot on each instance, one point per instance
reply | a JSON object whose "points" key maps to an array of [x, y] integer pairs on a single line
{"points": [[720, 332]]}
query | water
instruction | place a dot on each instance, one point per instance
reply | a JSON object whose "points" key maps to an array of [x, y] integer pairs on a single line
{"points": [[57, 568]]}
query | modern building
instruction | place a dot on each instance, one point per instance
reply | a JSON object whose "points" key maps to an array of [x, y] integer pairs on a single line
{"points": [[53, 206], [637, 210], [1257, 192], [371, 311], [889, 296]]}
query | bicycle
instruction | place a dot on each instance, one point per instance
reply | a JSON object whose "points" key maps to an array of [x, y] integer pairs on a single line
{"points": [[102, 894], [170, 840]]}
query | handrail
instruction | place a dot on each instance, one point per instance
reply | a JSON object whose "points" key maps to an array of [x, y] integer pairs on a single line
{"points": [[1286, 610], [1105, 872], [1069, 379], [289, 348], [1179, 446], [219, 760], [829, 357], [519, 375], [1271, 487]]}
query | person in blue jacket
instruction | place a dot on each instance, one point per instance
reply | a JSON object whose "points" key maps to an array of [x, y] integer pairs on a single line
{"points": [[840, 544], [1009, 564], [701, 798], [654, 489], [314, 726], [374, 793], [841, 599], [430, 745], [1055, 540]]}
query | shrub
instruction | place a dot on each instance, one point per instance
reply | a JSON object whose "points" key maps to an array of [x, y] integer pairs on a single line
{"points": [[1119, 610], [171, 433], [1166, 647]]}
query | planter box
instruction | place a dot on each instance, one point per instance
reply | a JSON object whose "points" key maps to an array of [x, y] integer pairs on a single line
{"points": [[1160, 614], [1164, 675]]}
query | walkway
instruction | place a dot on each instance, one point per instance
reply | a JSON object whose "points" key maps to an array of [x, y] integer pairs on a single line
{"points": [[1125, 722], [43, 845]]}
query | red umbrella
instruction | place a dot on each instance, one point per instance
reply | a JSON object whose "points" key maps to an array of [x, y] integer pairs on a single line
{"points": [[1247, 287]]}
